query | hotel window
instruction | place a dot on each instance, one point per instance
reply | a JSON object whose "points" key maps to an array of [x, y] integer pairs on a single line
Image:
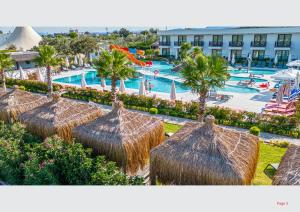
{"points": [[181, 38], [216, 52], [237, 38], [258, 54], [217, 38], [236, 53], [282, 55], [165, 51], [260, 38], [198, 38], [165, 38], [284, 38]]}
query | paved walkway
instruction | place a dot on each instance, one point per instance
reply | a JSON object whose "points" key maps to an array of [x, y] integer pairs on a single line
{"points": [[267, 137]]}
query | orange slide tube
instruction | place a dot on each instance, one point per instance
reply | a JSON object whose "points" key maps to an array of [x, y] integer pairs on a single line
{"points": [[129, 56]]}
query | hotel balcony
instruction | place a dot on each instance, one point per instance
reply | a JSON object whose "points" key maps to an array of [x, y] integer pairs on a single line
{"points": [[284, 44], [165, 43], [197, 43], [215, 43], [236, 43], [178, 43], [258, 44]]}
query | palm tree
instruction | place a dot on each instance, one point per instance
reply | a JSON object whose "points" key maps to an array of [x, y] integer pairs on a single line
{"points": [[47, 57], [201, 73], [114, 65], [5, 63], [183, 51]]}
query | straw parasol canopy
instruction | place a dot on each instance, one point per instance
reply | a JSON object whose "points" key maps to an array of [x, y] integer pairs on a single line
{"points": [[124, 136], [288, 172], [205, 154], [59, 117], [15, 102], [122, 86]]}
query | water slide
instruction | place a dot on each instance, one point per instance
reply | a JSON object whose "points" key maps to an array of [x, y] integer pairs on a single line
{"points": [[129, 55]]}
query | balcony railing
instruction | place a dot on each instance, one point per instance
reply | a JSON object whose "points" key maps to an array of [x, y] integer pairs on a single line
{"points": [[197, 43], [165, 43], [216, 43], [236, 43], [286, 44], [178, 43], [258, 43]]}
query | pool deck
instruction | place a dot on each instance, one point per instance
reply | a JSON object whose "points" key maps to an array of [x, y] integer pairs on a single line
{"points": [[252, 102]]}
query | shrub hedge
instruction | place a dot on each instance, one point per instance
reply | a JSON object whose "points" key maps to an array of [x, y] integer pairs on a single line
{"points": [[27, 160], [287, 126]]}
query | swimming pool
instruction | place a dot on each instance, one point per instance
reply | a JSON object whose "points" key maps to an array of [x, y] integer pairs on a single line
{"points": [[159, 84], [254, 71]]}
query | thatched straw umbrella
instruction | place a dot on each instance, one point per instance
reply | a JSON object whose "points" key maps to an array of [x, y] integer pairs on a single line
{"points": [[123, 136], [15, 102], [59, 117], [205, 154], [288, 172]]}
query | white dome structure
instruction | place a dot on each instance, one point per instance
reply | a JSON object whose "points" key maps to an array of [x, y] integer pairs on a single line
{"points": [[23, 38]]}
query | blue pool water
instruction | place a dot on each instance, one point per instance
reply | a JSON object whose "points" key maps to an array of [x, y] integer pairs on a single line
{"points": [[159, 84], [254, 71]]}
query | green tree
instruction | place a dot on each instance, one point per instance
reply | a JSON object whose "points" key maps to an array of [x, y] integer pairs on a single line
{"points": [[73, 35], [124, 32], [202, 73], [83, 45], [113, 65], [47, 57], [6, 63], [184, 49]]}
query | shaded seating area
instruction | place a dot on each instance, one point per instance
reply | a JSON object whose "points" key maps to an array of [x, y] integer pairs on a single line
{"points": [[16, 101], [123, 136], [59, 116], [288, 172], [205, 154]]}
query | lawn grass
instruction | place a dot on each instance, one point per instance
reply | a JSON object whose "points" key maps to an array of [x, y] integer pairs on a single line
{"points": [[267, 154]]}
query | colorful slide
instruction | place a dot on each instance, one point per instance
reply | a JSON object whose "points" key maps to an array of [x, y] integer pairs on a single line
{"points": [[129, 55]]}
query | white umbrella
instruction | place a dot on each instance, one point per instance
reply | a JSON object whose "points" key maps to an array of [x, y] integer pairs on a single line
{"points": [[67, 62], [122, 86], [233, 59], [103, 84], [285, 75], [279, 98], [83, 82], [142, 90], [276, 59], [287, 89], [40, 77], [80, 61], [75, 60], [229, 57], [290, 58], [22, 75], [173, 91], [297, 81]]}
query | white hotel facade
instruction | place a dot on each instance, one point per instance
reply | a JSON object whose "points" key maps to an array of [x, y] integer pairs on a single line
{"points": [[261, 43]]}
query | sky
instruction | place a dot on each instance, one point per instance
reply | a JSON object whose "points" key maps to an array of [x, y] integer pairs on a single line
{"points": [[51, 30]]}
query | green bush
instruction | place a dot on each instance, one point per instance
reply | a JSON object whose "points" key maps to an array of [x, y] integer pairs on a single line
{"points": [[22, 88], [25, 159], [282, 144], [153, 110], [254, 130]]}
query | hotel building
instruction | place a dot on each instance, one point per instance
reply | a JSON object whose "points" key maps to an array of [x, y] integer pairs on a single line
{"points": [[262, 44]]}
